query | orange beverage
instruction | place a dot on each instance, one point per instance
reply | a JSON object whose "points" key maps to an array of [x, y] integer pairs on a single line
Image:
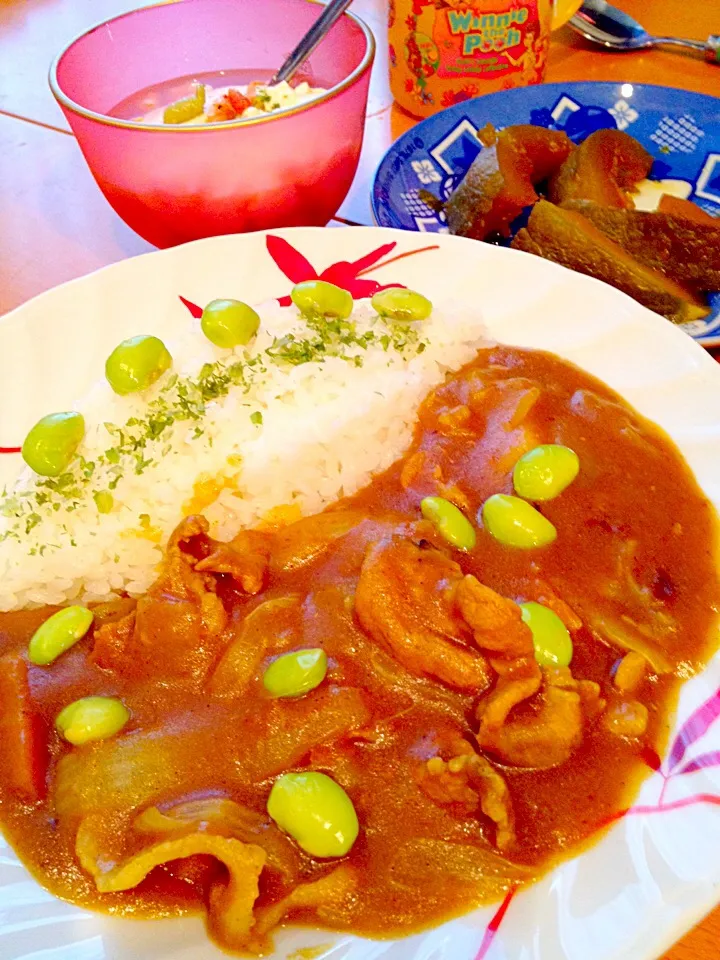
{"points": [[446, 51]]}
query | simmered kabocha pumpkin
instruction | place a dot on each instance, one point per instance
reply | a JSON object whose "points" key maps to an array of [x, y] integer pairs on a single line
{"points": [[605, 168], [668, 242], [684, 208], [568, 238], [501, 181]]}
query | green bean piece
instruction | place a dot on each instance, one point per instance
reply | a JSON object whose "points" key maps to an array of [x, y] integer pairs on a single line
{"points": [[545, 471], [58, 633], [318, 298], [450, 522], [51, 445], [186, 109], [296, 673], [516, 523], [552, 642], [92, 718], [401, 304], [136, 363], [316, 812], [229, 323]]}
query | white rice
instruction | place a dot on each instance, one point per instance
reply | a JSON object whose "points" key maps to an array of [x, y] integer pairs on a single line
{"points": [[326, 428]]}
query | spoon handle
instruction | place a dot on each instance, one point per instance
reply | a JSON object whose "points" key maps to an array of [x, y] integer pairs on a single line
{"points": [[332, 12], [711, 47]]}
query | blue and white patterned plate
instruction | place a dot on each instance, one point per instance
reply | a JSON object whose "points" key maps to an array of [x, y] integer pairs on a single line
{"points": [[680, 129]]}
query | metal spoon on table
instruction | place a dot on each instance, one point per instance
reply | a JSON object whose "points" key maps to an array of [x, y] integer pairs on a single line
{"points": [[602, 23], [332, 12]]}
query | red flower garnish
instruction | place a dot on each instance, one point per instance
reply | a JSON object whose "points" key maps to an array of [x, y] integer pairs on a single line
{"points": [[705, 760], [695, 727], [346, 274], [494, 925], [194, 309], [651, 758]]}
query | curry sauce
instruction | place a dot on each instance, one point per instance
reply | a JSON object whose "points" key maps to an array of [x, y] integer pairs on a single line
{"points": [[423, 642]]}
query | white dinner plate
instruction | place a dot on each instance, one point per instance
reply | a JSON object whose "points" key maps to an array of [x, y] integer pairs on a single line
{"points": [[657, 871]]}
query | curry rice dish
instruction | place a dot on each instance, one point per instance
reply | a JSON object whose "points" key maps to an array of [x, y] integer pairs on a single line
{"points": [[426, 693]]}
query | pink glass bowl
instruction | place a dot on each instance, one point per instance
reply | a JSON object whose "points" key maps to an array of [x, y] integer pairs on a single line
{"points": [[174, 184]]}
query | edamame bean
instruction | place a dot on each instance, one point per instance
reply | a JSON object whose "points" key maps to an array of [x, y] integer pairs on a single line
{"points": [[58, 633], [552, 642], [136, 363], [319, 298], [50, 446], [516, 523], [92, 718], [316, 812], [296, 673], [451, 523], [401, 304], [229, 323], [545, 472], [187, 109]]}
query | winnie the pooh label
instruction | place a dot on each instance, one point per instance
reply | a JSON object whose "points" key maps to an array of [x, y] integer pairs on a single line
{"points": [[445, 51]]}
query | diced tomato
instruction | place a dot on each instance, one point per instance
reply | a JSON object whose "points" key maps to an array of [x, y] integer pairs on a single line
{"points": [[24, 753], [221, 110], [232, 105], [238, 101]]}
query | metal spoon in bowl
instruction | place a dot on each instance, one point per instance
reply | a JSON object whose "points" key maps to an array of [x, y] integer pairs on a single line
{"points": [[601, 23], [332, 12]]}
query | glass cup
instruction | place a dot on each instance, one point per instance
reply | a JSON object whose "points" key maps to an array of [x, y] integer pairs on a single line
{"points": [[445, 51], [172, 184]]}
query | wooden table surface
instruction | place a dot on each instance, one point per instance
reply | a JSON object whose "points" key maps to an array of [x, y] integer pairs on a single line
{"points": [[55, 225]]}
